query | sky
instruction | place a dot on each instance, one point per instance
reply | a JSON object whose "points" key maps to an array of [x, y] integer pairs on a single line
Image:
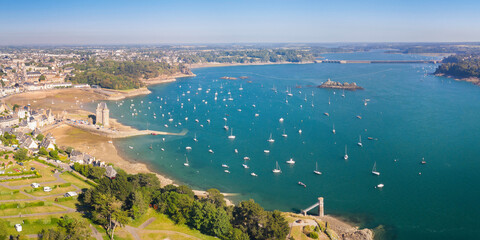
{"points": [[70, 22]]}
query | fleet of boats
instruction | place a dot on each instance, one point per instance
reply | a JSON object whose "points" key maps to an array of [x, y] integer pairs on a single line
{"points": [[277, 170]]}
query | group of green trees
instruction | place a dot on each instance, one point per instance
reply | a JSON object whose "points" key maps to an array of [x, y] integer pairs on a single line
{"points": [[114, 202], [461, 66], [121, 74], [248, 56]]}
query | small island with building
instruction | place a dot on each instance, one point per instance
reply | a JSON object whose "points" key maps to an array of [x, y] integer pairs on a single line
{"points": [[338, 85]]}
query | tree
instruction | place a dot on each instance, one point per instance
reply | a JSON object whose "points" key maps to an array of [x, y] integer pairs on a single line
{"points": [[216, 197], [108, 212], [69, 150], [68, 228], [137, 204], [54, 154], [21, 154], [42, 78], [40, 137], [96, 172], [250, 217], [276, 227], [43, 151]]}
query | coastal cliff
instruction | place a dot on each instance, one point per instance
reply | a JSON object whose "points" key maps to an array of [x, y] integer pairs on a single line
{"points": [[338, 85]]}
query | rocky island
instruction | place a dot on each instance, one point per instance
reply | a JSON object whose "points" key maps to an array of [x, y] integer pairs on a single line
{"points": [[338, 85]]}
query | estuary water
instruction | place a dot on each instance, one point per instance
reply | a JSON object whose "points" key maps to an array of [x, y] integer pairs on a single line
{"points": [[410, 115]]}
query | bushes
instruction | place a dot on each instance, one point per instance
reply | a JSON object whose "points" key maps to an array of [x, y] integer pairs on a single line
{"points": [[313, 235], [21, 205], [64, 199], [65, 185]]}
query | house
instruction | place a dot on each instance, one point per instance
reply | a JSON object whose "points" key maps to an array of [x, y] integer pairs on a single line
{"points": [[35, 185], [70, 194], [88, 159], [36, 132], [76, 156], [29, 143], [110, 173], [47, 144]]}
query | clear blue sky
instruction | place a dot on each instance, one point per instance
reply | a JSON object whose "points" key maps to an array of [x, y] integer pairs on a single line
{"points": [[225, 21]]}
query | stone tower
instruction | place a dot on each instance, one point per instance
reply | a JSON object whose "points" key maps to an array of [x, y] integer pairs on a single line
{"points": [[103, 115]]}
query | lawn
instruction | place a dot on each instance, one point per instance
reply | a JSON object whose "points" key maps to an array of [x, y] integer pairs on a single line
{"points": [[31, 226], [162, 222], [70, 203], [13, 196], [45, 171], [30, 210], [75, 181], [58, 190]]}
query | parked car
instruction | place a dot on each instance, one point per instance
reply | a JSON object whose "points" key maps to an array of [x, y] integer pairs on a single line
{"points": [[32, 168], [47, 189]]}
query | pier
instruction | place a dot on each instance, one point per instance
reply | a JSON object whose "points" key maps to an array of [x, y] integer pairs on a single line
{"points": [[378, 61], [318, 204]]}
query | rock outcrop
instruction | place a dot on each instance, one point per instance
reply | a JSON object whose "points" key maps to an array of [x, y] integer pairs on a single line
{"points": [[338, 85]]}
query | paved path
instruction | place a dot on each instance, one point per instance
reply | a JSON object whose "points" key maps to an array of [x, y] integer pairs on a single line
{"points": [[96, 233], [146, 223]]}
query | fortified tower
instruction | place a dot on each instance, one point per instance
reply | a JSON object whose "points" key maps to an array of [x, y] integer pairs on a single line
{"points": [[103, 115]]}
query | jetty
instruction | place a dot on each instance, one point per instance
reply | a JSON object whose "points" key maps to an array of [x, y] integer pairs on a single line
{"points": [[112, 133], [318, 204], [378, 61]]}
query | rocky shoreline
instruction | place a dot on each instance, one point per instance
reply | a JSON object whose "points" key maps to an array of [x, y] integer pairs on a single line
{"points": [[338, 85], [474, 80]]}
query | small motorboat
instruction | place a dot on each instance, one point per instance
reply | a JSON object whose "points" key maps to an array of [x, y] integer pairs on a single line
{"points": [[302, 184]]}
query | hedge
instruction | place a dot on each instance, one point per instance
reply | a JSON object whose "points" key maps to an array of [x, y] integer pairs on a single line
{"points": [[21, 205], [9, 192]]}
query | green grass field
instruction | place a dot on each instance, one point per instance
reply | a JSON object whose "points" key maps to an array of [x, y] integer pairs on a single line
{"points": [[163, 223], [75, 181]]}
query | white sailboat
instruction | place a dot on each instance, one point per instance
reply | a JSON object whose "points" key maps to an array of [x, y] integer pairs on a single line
{"points": [[245, 164], [333, 130], [284, 134], [186, 164], [316, 169], [195, 138], [360, 141], [231, 135], [225, 126], [277, 169], [346, 155], [241, 88], [291, 161], [374, 169], [271, 140]]}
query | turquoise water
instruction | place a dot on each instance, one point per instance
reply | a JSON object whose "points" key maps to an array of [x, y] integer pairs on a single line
{"points": [[411, 113]]}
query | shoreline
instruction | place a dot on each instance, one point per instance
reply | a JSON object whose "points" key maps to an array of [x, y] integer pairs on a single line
{"points": [[165, 79], [474, 80], [207, 65]]}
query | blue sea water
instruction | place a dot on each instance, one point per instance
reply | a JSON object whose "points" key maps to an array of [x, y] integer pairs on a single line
{"points": [[411, 114]]}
